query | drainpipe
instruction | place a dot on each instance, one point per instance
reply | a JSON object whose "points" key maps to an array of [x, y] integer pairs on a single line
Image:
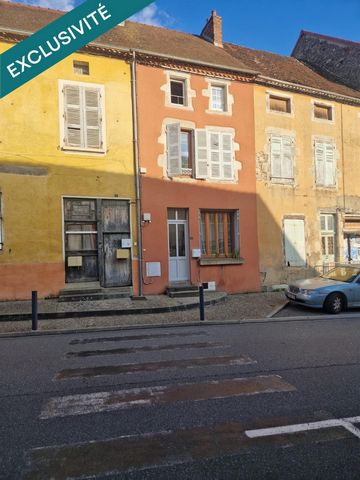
{"points": [[137, 171]]}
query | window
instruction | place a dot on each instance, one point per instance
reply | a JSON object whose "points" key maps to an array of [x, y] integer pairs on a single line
{"points": [[294, 239], [218, 98], [323, 112], [186, 139], [83, 117], [281, 157], [213, 153], [217, 232], [178, 92], [327, 226], [325, 164], [1, 224], [279, 104], [81, 68]]}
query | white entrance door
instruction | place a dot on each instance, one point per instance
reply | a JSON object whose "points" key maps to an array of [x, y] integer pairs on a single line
{"points": [[294, 233], [179, 270]]}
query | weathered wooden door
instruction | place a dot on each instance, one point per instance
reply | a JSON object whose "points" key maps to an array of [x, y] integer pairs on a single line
{"points": [[115, 226]]}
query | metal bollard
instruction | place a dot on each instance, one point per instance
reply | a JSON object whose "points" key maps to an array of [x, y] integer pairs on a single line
{"points": [[201, 303], [34, 311]]}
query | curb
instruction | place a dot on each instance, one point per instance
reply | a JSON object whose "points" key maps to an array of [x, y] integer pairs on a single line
{"points": [[21, 317], [278, 309], [149, 326]]}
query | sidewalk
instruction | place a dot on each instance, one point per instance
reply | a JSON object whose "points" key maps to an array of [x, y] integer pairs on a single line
{"points": [[155, 310]]}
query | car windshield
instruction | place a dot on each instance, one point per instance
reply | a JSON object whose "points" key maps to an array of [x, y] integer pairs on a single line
{"points": [[342, 274]]}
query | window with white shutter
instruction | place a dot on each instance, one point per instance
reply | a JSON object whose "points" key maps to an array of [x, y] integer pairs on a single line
{"points": [[201, 154], [282, 157], [325, 163], [83, 117], [173, 146]]}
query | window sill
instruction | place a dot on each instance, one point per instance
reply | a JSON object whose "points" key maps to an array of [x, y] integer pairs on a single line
{"points": [[221, 261], [82, 150]]}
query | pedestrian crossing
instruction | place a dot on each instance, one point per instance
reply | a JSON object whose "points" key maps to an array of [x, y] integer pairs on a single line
{"points": [[161, 353]]}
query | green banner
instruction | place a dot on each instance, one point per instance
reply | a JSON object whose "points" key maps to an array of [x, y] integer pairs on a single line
{"points": [[61, 38]]}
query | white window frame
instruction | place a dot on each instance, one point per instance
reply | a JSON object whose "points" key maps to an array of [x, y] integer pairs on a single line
{"points": [[282, 138], [223, 88], [327, 233], [326, 143], [202, 142], [183, 81], [63, 144], [281, 96]]}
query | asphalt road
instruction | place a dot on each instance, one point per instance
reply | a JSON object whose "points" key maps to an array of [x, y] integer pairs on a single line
{"points": [[184, 403]]}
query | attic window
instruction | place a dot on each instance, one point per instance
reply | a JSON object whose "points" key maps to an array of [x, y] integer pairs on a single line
{"points": [[323, 112], [279, 104], [81, 68], [178, 92]]}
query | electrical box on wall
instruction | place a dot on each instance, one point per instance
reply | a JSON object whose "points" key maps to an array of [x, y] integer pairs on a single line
{"points": [[122, 254], [153, 269], [74, 261], [147, 217], [196, 253], [209, 286], [126, 243]]}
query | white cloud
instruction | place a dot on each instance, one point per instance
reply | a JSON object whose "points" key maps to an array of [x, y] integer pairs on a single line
{"points": [[54, 4], [152, 15]]}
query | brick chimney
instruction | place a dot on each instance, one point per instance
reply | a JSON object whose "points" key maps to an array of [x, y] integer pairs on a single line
{"points": [[212, 32]]}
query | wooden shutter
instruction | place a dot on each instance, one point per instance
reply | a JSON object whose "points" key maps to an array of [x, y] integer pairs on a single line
{"points": [[287, 154], [330, 164], [227, 156], [72, 116], [215, 155], [93, 118], [275, 156], [201, 154], [294, 239], [173, 142], [320, 162]]}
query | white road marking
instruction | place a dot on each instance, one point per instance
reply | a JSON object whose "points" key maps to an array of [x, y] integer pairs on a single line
{"points": [[98, 402], [305, 427]]}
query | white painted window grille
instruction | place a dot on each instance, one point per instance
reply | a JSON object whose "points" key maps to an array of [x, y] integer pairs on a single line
{"points": [[282, 157], [218, 98], [327, 226], [83, 117], [325, 163]]}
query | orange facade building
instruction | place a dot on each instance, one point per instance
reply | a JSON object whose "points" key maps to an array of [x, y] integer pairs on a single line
{"points": [[195, 118]]}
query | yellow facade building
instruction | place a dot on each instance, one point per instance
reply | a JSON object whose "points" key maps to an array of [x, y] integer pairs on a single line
{"points": [[307, 135], [67, 185]]}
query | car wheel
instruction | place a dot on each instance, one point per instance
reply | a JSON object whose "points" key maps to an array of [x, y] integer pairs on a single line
{"points": [[334, 303]]}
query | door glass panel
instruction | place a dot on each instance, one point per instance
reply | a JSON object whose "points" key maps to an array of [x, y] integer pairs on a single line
{"points": [[84, 227], [79, 242], [172, 240], [181, 240]]}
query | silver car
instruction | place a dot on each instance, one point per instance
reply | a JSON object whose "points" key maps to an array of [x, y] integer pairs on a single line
{"points": [[333, 292]]}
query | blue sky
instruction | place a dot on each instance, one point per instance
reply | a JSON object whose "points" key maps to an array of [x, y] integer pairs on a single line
{"points": [[272, 26]]}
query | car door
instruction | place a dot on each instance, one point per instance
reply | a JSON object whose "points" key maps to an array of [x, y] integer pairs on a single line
{"points": [[355, 293]]}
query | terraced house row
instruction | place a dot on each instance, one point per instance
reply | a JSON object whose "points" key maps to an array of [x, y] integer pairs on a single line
{"points": [[154, 158]]}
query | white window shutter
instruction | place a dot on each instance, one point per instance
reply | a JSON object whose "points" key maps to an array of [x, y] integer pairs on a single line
{"points": [[320, 162], [93, 118], [201, 154], [227, 156], [173, 142], [275, 156], [330, 164], [287, 167], [215, 155], [72, 116]]}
